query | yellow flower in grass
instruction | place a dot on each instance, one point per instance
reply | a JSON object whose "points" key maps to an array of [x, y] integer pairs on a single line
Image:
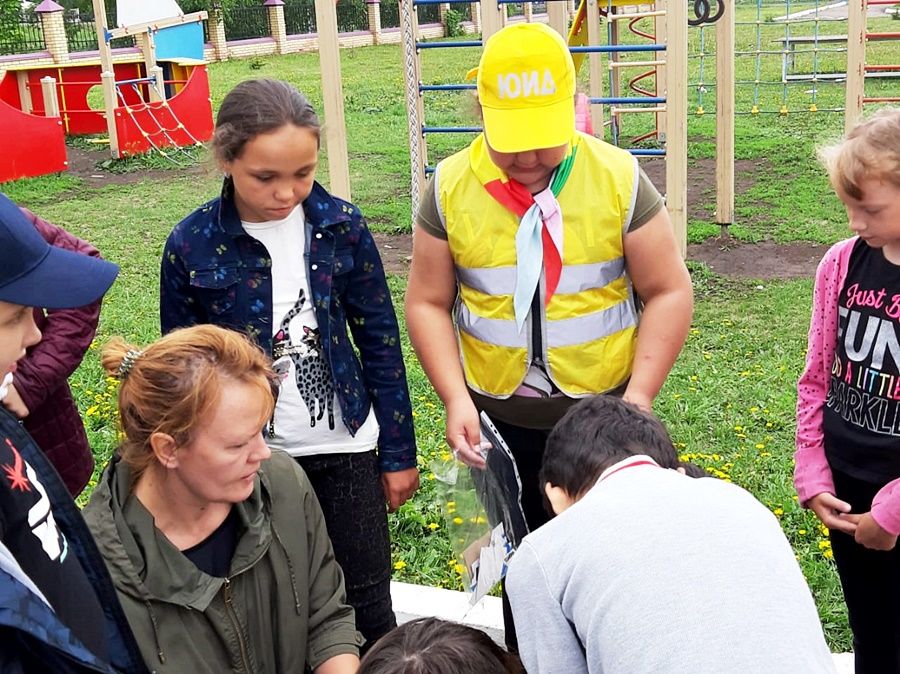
{"points": [[433, 525], [460, 569], [778, 512], [457, 520], [400, 564], [828, 554]]}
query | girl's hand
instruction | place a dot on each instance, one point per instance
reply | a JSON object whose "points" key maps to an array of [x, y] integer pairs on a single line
{"points": [[640, 400], [833, 512], [399, 486], [464, 431], [870, 534]]}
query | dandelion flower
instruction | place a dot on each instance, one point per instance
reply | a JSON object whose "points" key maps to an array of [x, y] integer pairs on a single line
{"points": [[400, 564]]}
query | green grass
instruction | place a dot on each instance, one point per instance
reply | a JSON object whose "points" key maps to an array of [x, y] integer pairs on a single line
{"points": [[729, 401]]}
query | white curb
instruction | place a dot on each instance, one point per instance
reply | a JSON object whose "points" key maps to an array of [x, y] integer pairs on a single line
{"points": [[417, 601]]}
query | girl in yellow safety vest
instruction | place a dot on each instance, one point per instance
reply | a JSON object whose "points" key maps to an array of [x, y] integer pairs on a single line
{"points": [[545, 268]]}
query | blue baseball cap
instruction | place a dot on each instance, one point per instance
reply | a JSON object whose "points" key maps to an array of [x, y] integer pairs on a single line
{"points": [[35, 274]]}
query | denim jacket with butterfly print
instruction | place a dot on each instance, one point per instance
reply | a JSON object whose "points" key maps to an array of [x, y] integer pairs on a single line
{"points": [[214, 272]]}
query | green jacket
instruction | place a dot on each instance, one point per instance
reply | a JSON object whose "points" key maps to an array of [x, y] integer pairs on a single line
{"points": [[281, 608]]}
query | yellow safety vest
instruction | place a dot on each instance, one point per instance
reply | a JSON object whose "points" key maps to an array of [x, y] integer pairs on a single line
{"points": [[587, 332]]}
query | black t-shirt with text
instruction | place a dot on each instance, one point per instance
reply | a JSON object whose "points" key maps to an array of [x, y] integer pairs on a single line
{"points": [[861, 420], [30, 532]]}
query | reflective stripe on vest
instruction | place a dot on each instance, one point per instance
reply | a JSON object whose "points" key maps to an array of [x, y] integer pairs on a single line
{"points": [[588, 329]]}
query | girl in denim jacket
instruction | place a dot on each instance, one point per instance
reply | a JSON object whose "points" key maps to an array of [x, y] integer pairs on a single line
{"points": [[279, 258]]}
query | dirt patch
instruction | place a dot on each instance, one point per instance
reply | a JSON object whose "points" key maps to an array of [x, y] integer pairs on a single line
{"points": [[766, 260], [701, 177], [396, 251], [85, 164]]}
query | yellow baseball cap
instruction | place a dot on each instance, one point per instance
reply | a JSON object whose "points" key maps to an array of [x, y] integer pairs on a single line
{"points": [[526, 87]]}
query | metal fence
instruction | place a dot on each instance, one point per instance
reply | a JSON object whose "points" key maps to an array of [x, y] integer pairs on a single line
{"points": [[352, 16], [243, 23], [300, 17], [390, 14], [429, 14], [20, 33], [82, 35]]}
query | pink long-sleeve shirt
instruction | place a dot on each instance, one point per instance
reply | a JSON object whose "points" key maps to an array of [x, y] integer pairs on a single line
{"points": [[812, 475]]}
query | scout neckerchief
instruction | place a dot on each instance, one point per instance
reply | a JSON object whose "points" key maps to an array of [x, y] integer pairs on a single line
{"points": [[539, 238]]}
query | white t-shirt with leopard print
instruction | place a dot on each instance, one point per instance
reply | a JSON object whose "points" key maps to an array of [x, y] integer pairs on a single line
{"points": [[307, 416]]}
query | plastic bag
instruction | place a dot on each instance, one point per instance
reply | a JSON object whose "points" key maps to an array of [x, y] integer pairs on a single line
{"points": [[483, 511]]}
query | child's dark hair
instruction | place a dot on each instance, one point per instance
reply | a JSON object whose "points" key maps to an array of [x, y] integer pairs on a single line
{"points": [[433, 646], [692, 469], [259, 106], [596, 433]]}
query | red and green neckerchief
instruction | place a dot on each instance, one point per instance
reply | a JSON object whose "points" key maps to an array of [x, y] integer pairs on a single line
{"points": [[539, 238]]}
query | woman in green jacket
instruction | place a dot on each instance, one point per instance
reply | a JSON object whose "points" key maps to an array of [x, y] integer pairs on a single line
{"points": [[216, 544]]}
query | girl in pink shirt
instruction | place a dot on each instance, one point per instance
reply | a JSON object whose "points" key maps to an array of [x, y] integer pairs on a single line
{"points": [[848, 406]]}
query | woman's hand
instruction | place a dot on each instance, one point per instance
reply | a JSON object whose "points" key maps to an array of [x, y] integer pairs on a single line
{"points": [[464, 431], [870, 534], [833, 512], [399, 486]]}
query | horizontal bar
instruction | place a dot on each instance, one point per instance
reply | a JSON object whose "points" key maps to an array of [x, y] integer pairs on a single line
{"points": [[451, 129], [882, 68], [821, 19], [635, 64], [155, 25], [446, 87], [783, 52], [437, 45], [883, 36], [595, 49], [775, 83], [136, 80], [625, 100], [635, 15], [804, 111], [614, 48], [615, 111], [648, 153], [441, 2], [881, 99]]}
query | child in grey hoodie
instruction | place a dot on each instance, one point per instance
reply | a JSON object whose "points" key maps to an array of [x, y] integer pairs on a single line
{"points": [[647, 570]]}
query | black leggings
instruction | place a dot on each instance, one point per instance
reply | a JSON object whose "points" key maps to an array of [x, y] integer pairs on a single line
{"points": [[527, 446], [871, 582], [349, 490]]}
